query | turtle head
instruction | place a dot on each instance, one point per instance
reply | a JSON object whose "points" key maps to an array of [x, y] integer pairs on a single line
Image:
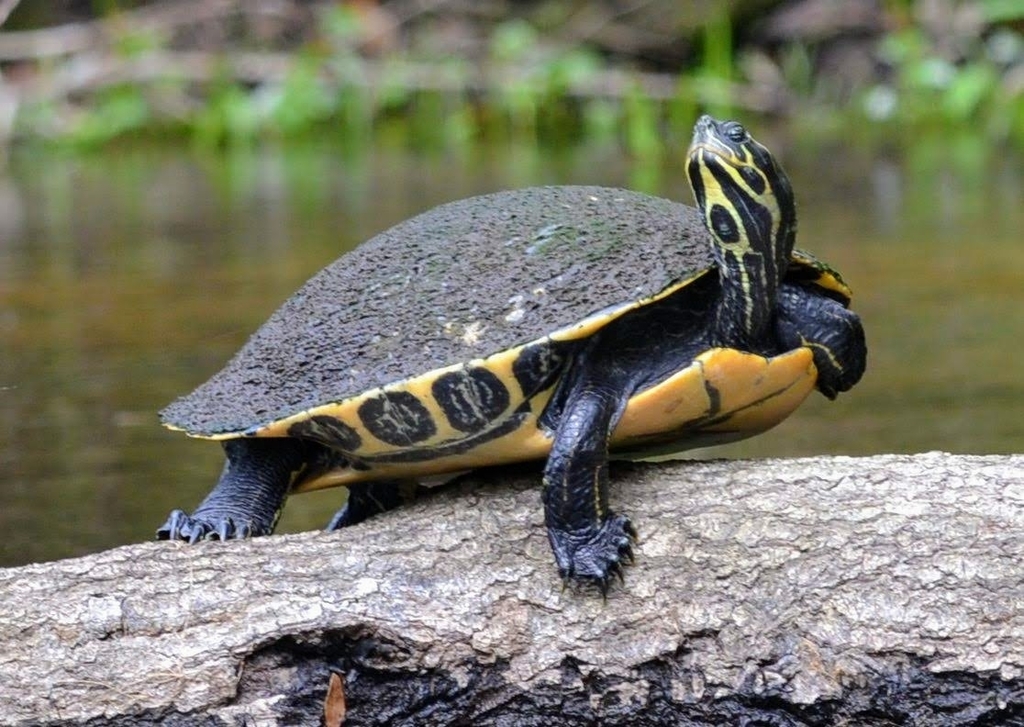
{"points": [[747, 204]]}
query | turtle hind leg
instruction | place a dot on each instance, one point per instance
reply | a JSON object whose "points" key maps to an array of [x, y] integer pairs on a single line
{"points": [[808, 317], [249, 495], [366, 499], [589, 541]]}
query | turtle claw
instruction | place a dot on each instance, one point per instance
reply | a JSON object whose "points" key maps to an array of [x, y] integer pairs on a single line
{"points": [[177, 527], [594, 555], [342, 519], [190, 529], [223, 528]]}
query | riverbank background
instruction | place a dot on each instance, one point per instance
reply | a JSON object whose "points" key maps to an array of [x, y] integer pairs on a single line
{"points": [[226, 71]]}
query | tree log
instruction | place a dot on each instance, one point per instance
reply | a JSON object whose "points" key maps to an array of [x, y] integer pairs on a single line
{"points": [[880, 590]]}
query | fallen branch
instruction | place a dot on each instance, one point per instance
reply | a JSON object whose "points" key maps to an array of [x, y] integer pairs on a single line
{"points": [[873, 590]]}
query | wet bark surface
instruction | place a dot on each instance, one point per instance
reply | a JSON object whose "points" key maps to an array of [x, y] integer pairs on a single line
{"points": [[880, 590]]}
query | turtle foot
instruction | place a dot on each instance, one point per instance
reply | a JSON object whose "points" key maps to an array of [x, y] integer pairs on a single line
{"points": [[368, 499], [594, 555], [342, 519], [192, 529]]}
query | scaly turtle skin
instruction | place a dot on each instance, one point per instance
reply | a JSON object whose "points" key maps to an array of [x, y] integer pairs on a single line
{"points": [[554, 322]]}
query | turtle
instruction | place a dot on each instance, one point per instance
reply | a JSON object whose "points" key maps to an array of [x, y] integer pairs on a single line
{"points": [[564, 323]]}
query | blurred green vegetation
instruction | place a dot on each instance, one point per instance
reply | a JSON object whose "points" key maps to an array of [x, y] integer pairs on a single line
{"points": [[972, 77], [951, 76]]}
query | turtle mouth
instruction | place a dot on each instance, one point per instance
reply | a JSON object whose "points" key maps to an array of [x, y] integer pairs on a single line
{"points": [[711, 148], [706, 156], [709, 140]]}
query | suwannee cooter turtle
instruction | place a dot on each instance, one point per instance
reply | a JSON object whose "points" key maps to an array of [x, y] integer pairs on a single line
{"points": [[555, 322]]}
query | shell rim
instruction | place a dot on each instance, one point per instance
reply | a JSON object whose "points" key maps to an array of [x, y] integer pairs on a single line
{"points": [[826, 278]]}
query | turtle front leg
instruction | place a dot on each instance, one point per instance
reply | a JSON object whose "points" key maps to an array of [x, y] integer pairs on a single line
{"points": [[806, 316], [589, 541], [249, 496]]}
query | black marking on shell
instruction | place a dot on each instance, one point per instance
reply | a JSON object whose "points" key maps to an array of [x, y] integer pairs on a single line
{"points": [[459, 446], [538, 367], [470, 398], [714, 400], [329, 431], [397, 418]]}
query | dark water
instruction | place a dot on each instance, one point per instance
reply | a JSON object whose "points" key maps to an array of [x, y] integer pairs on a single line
{"points": [[127, 277]]}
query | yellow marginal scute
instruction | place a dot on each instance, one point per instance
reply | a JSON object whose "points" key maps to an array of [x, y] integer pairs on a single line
{"points": [[527, 442], [347, 411], [722, 390], [674, 402], [828, 279], [756, 393]]}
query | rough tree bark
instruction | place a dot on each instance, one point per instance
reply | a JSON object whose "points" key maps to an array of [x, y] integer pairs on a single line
{"points": [[881, 590]]}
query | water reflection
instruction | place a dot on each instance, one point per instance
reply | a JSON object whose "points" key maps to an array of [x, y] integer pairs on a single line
{"points": [[128, 277]]}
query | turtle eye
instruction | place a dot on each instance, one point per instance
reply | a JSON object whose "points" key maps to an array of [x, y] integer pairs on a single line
{"points": [[735, 131]]}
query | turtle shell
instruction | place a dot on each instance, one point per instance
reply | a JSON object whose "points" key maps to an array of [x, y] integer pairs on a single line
{"points": [[464, 282]]}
